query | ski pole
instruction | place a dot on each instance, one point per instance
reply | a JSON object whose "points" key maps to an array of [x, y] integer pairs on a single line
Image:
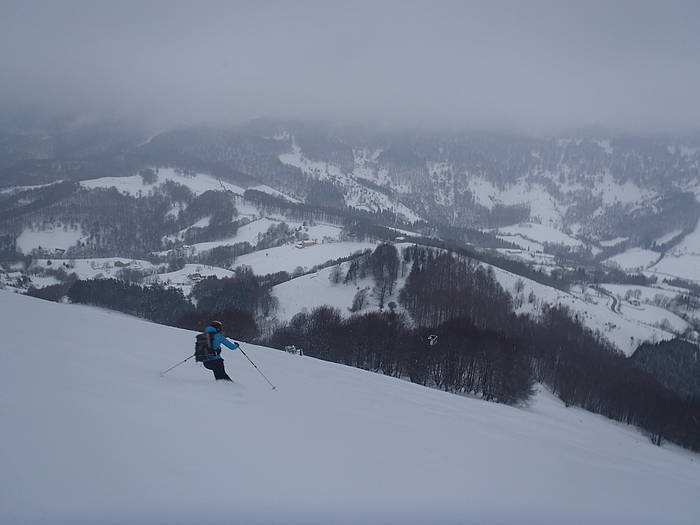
{"points": [[169, 369], [256, 367]]}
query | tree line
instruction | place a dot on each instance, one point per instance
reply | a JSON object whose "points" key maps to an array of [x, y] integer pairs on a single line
{"points": [[236, 301]]}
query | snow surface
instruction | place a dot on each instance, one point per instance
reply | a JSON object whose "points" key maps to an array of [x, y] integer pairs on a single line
{"points": [[357, 195], [540, 233], [543, 262], [684, 266], [635, 259], [542, 205], [288, 258], [271, 191], [252, 232], [625, 328], [613, 192], [521, 241], [93, 434], [179, 279], [248, 233], [133, 185], [92, 268], [202, 223], [690, 245], [16, 189], [646, 293], [613, 242], [310, 291], [48, 239], [668, 237]]}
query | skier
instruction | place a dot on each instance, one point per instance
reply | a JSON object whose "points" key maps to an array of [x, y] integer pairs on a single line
{"points": [[214, 361]]}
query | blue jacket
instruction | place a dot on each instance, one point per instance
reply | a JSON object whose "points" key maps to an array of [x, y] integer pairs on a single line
{"points": [[219, 340]]}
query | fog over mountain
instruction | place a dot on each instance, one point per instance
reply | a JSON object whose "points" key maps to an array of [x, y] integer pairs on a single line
{"points": [[534, 67]]}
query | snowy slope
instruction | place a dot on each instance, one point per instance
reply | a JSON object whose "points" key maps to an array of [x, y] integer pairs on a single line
{"points": [[683, 260], [179, 279], [252, 232], [106, 267], [683, 266], [93, 434], [132, 185], [357, 195], [540, 233], [624, 326], [312, 290], [635, 259], [287, 258], [690, 245], [309, 291], [51, 238]]}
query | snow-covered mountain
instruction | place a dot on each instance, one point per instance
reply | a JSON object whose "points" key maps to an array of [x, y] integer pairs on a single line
{"points": [[605, 197], [197, 202], [93, 433]]}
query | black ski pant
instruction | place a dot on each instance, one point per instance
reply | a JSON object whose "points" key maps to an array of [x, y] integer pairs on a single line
{"points": [[217, 366]]}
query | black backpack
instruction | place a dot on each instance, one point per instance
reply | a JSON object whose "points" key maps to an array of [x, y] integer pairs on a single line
{"points": [[203, 349]]}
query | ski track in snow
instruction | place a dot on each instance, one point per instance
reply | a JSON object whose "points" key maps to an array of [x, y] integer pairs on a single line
{"points": [[93, 434]]}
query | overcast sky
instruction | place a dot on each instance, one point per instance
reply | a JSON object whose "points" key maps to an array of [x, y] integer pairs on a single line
{"points": [[525, 65]]}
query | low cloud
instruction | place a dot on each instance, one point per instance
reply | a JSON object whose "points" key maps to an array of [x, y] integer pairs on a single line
{"points": [[526, 66]]}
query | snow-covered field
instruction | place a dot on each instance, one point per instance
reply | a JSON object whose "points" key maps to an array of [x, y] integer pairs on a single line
{"points": [[249, 233], [288, 258], [613, 242], [91, 268], [310, 291], [690, 245], [93, 434], [133, 185], [540, 233], [635, 259], [50, 239], [180, 277], [626, 328], [541, 261], [683, 266], [519, 240], [646, 293], [271, 191], [253, 231]]}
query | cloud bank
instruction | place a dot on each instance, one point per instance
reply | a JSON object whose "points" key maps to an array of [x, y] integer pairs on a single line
{"points": [[527, 66]]}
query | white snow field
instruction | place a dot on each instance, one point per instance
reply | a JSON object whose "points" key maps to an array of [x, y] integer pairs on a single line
{"points": [[289, 257], [198, 183], [540, 233], [92, 433], [253, 231], [690, 245], [312, 290], [625, 328], [684, 266], [50, 239], [106, 267], [635, 259]]}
